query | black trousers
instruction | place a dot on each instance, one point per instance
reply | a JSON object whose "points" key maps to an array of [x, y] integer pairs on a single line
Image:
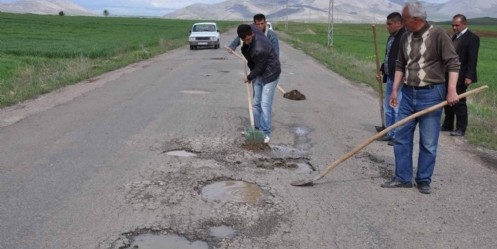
{"points": [[458, 111]]}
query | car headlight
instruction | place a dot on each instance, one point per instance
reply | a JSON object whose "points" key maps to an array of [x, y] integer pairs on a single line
{"points": [[191, 39], [213, 38]]}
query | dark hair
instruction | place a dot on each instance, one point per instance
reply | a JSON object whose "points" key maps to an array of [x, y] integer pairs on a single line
{"points": [[395, 16], [259, 17], [243, 30], [462, 17]]}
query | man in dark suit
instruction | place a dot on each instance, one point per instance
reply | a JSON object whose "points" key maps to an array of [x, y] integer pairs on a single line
{"points": [[467, 45]]}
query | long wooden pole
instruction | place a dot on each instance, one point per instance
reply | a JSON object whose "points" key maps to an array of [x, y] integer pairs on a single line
{"points": [[380, 82]]}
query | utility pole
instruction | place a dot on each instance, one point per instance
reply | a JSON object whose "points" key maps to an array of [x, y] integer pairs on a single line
{"points": [[330, 23], [286, 23]]}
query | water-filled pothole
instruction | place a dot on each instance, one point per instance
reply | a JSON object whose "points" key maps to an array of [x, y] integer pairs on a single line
{"points": [[232, 191], [151, 241], [180, 153], [222, 232]]}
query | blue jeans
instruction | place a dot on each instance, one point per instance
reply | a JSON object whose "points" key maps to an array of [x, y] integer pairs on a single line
{"points": [[263, 104], [391, 113], [415, 100]]}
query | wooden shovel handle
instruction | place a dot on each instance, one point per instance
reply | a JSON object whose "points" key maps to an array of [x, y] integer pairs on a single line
{"points": [[249, 97], [389, 128], [281, 89], [380, 83]]}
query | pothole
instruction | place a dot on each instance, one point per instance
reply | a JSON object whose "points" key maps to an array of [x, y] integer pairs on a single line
{"points": [[171, 241], [222, 232], [180, 153], [302, 168], [296, 165], [232, 191]]}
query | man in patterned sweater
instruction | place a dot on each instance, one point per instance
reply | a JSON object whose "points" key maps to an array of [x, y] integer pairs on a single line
{"points": [[426, 53]]}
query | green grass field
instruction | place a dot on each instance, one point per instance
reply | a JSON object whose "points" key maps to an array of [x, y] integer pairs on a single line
{"points": [[40, 53], [353, 56]]}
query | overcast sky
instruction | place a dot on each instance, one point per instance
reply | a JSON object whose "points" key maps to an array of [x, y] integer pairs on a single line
{"points": [[145, 7]]}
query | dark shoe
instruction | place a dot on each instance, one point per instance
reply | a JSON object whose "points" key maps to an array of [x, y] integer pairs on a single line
{"points": [[443, 128], [385, 138], [424, 188], [390, 142], [457, 133], [379, 128], [394, 183]]}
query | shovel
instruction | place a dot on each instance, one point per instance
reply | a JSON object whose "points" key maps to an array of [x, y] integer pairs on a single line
{"points": [[292, 95], [380, 83], [380, 134]]}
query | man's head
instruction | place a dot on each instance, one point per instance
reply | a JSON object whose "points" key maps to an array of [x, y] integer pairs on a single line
{"points": [[413, 16], [459, 23], [394, 22], [260, 22], [245, 33]]}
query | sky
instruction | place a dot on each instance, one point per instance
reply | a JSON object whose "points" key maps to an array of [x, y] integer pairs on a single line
{"points": [[145, 7]]}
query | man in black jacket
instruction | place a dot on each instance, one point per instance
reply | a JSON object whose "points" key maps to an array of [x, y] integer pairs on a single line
{"points": [[396, 30], [467, 45], [265, 70]]}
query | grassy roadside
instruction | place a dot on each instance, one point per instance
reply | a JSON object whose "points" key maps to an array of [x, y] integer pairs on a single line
{"points": [[40, 53], [352, 56]]}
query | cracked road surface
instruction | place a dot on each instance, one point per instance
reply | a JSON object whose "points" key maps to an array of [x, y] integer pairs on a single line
{"points": [[90, 166]]}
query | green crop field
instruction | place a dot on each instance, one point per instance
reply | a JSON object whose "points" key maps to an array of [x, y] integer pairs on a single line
{"points": [[40, 53], [353, 56]]}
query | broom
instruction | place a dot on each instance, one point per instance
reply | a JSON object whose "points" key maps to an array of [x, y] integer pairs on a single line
{"points": [[252, 136]]}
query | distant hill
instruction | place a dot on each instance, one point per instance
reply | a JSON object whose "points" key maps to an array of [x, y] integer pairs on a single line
{"points": [[477, 21], [45, 7], [317, 10]]}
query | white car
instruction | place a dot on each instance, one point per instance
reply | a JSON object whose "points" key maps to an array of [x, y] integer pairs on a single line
{"points": [[269, 25], [204, 34]]}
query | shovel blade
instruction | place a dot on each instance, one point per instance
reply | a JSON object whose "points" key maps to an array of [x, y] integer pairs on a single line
{"points": [[302, 183], [294, 95]]}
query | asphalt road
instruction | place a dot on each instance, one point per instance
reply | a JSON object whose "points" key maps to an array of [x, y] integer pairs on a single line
{"points": [[87, 166]]}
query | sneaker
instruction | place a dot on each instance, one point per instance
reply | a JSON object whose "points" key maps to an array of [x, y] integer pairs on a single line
{"points": [[443, 128], [385, 138], [457, 133], [243, 133], [266, 139], [424, 188]]}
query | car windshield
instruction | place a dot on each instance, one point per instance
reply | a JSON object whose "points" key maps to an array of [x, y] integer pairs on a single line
{"points": [[204, 28]]}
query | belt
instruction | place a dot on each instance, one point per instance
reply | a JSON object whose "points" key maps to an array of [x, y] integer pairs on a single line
{"points": [[420, 87]]}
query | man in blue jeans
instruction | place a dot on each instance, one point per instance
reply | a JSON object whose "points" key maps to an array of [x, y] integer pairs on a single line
{"points": [[396, 30], [265, 70], [426, 53]]}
